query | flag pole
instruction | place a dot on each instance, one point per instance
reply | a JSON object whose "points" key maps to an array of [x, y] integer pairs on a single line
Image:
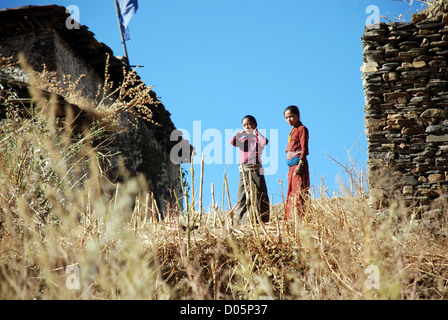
{"points": [[121, 34]]}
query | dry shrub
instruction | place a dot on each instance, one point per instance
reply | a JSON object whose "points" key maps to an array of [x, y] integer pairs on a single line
{"points": [[67, 233], [116, 105]]}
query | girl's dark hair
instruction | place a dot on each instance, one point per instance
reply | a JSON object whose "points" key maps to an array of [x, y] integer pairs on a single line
{"points": [[251, 119], [293, 109]]}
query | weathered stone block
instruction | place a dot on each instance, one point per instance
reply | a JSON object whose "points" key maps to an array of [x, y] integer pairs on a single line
{"points": [[418, 100], [433, 113], [435, 177], [407, 181], [398, 97], [369, 67], [374, 35], [441, 128], [439, 44], [429, 25], [412, 130], [391, 76], [434, 138], [437, 63], [419, 64]]}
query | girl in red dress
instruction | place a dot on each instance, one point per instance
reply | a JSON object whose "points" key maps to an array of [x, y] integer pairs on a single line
{"points": [[298, 174]]}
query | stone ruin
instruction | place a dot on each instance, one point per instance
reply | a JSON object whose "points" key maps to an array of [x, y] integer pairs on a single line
{"points": [[41, 35], [405, 78]]}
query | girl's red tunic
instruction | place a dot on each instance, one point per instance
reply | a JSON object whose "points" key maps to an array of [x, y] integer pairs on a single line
{"points": [[298, 185]]}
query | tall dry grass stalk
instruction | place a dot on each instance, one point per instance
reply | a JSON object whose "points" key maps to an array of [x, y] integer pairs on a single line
{"points": [[67, 233]]}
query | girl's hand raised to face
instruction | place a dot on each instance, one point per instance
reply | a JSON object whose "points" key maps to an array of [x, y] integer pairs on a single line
{"points": [[250, 131]]}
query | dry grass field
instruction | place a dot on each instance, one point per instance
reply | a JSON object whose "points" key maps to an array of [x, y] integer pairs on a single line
{"points": [[68, 233]]}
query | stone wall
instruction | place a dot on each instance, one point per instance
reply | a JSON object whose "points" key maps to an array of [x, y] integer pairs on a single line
{"points": [[47, 49], [69, 63], [405, 77]]}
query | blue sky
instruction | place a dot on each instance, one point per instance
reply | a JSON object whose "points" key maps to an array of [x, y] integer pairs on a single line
{"points": [[215, 61]]}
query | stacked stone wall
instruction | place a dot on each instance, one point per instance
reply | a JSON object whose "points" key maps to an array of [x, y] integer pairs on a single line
{"points": [[405, 77], [46, 49]]}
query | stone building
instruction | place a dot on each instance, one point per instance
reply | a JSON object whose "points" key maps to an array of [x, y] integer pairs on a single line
{"points": [[42, 35], [405, 77]]}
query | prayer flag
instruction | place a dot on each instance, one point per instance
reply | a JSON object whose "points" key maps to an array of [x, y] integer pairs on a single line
{"points": [[127, 9]]}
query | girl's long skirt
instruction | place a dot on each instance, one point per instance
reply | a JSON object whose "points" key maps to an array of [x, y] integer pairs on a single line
{"points": [[298, 191], [253, 199]]}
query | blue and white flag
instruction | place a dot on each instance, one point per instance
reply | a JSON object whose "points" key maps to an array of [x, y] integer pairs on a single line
{"points": [[127, 9]]}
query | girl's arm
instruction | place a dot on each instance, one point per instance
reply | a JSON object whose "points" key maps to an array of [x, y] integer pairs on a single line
{"points": [[303, 140], [261, 140], [236, 137]]}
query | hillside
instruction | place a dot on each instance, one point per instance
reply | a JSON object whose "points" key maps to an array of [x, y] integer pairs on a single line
{"points": [[63, 236], [68, 232]]}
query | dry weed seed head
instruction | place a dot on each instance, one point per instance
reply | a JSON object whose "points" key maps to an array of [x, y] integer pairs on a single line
{"points": [[7, 62], [131, 96]]}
